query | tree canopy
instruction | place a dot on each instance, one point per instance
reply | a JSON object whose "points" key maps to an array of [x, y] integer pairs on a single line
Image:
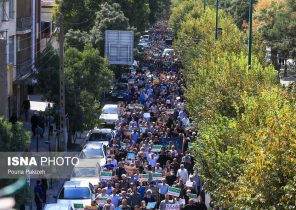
{"points": [[87, 77], [245, 152], [276, 21]]}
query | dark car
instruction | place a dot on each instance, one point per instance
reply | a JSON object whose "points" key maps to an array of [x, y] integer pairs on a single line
{"points": [[120, 91]]}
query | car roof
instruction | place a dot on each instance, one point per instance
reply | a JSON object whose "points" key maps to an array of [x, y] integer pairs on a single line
{"points": [[87, 163], [56, 206], [81, 183], [93, 145], [110, 106], [101, 130]]}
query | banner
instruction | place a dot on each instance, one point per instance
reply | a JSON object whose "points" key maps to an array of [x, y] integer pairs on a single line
{"points": [[106, 175], [193, 196], [143, 177], [78, 206], [156, 148], [172, 207], [156, 176], [151, 205], [177, 141], [174, 191]]}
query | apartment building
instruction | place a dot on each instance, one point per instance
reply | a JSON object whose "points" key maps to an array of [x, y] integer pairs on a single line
{"points": [[47, 24], [20, 27]]}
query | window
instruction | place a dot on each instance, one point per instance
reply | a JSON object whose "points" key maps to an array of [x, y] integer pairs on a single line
{"points": [[3, 14], [11, 50], [11, 9], [45, 29], [18, 44]]}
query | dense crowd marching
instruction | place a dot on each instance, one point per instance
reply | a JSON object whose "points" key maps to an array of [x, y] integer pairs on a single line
{"points": [[150, 159]]}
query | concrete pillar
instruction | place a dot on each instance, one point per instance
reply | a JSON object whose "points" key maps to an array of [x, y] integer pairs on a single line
{"points": [[3, 80]]}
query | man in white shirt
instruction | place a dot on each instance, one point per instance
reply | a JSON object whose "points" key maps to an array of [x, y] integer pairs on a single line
{"points": [[152, 159], [114, 161], [158, 169], [182, 173]]}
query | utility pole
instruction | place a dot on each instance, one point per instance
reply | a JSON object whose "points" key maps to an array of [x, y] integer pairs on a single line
{"points": [[217, 8], [63, 125], [250, 34]]}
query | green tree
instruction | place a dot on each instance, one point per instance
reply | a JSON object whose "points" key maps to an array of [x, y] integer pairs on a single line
{"points": [[87, 77], [239, 9], [79, 15], [245, 152], [109, 17], [48, 74], [277, 24], [13, 138], [137, 12]]}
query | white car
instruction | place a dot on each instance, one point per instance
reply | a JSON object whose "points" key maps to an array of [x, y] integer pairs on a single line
{"points": [[100, 135], [168, 52], [55, 206], [76, 194], [110, 114], [93, 150], [87, 170]]}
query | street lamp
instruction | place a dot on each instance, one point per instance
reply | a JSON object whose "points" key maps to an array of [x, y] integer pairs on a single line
{"points": [[250, 34]]}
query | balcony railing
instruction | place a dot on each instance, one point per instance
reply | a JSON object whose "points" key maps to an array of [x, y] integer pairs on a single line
{"points": [[23, 24], [23, 68]]}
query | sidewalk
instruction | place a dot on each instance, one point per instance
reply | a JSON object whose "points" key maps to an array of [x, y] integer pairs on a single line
{"points": [[54, 185]]}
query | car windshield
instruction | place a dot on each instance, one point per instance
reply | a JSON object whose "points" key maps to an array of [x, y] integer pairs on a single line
{"points": [[75, 193], [110, 110], [92, 153], [100, 137], [85, 172], [121, 87]]}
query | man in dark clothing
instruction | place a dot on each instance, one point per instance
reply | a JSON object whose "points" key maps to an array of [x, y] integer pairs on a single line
{"points": [[26, 106], [34, 123], [120, 170], [44, 187], [13, 118], [38, 195], [201, 205], [171, 178], [191, 206], [135, 198]]}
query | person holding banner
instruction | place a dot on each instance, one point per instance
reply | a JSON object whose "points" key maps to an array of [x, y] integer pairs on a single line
{"points": [[163, 204], [149, 197], [163, 189], [191, 206]]}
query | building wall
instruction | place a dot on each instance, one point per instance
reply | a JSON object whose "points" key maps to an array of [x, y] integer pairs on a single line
{"points": [[47, 9], [24, 8], [3, 79]]}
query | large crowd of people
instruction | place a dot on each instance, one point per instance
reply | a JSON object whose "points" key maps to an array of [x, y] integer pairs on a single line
{"points": [[150, 158]]}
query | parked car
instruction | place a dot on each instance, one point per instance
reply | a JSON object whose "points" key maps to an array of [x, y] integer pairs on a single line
{"points": [[109, 114], [94, 150], [56, 206], [120, 91], [77, 194], [168, 52], [100, 135], [87, 170]]}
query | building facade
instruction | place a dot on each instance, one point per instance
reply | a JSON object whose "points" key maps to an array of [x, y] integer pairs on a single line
{"points": [[20, 25]]}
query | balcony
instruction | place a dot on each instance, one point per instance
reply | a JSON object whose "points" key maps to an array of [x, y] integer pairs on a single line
{"points": [[23, 25], [23, 68]]}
